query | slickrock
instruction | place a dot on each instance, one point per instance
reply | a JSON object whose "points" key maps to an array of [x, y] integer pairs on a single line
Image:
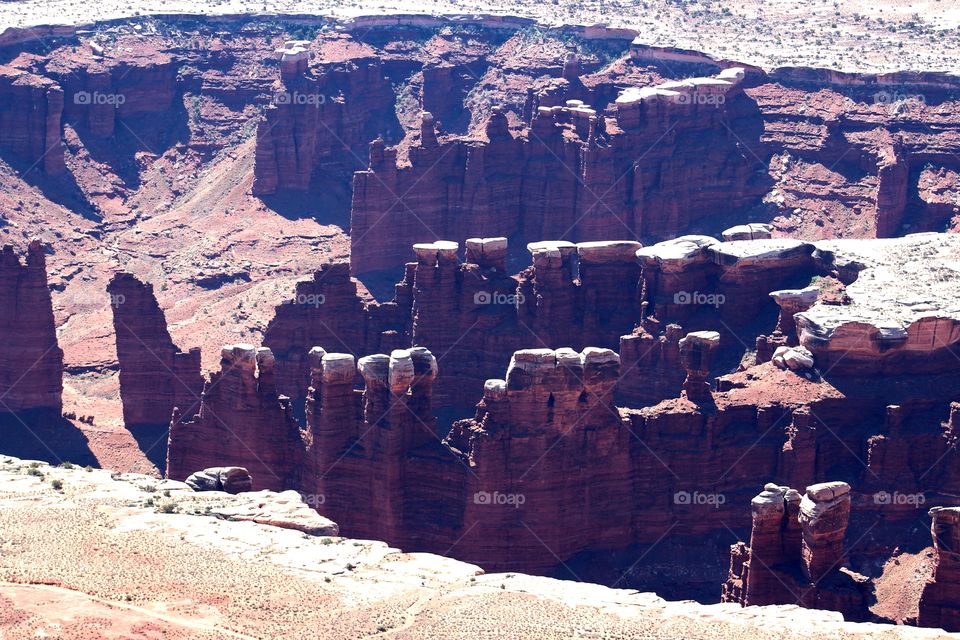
{"points": [[795, 358], [155, 375], [31, 361], [939, 606], [751, 231], [329, 586], [902, 313], [228, 479]]}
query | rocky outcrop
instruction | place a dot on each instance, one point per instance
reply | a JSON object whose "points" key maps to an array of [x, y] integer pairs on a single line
{"points": [[242, 422], [899, 315], [573, 174], [102, 91], [228, 479], [31, 361], [796, 553], [318, 112], [30, 110], [325, 310], [156, 377], [940, 600]]}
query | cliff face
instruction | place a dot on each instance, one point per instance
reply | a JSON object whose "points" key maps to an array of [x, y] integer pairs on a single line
{"points": [[939, 606], [323, 112], [101, 92], [155, 375], [573, 174], [548, 436], [588, 294], [31, 362], [242, 422], [796, 553], [30, 110]]}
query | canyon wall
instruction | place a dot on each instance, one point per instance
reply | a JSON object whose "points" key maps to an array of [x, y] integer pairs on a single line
{"points": [[323, 112], [475, 316], [573, 174], [241, 422], [30, 110]]}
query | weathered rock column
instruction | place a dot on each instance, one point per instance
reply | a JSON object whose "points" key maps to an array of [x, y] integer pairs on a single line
{"points": [[767, 549], [824, 515], [31, 362], [428, 131], [696, 355], [940, 600], [793, 301]]}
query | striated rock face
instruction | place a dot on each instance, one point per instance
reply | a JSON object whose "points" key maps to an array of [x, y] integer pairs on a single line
{"points": [[30, 111], [106, 91], [31, 361], [155, 375], [242, 422], [573, 174], [473, 313], [824, 514], [796, 553], [316, 112], [325, 310], [940, 602]]}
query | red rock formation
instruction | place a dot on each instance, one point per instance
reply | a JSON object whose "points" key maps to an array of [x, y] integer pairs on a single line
{"points": [[796, 553], [100, 92], [893, 171], [650, 366], [31, 362], [242, 422], [155, 375], [940, 600], [30, 111], [328, 111], [573, 175]]}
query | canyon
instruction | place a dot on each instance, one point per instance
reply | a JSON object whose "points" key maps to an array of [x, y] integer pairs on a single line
{"points": [[544, 299]]}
